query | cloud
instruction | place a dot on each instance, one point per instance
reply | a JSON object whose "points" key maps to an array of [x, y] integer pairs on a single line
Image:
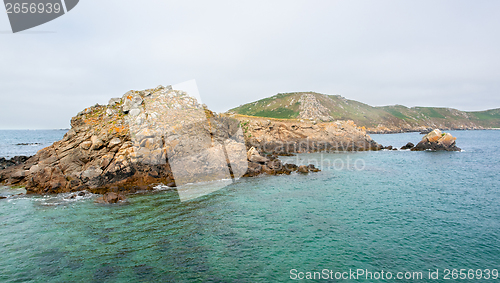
{"points": [[423, 53]]}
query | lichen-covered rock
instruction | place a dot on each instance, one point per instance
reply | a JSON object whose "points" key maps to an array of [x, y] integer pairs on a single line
{"points": [[437, 140], [132, 144]]}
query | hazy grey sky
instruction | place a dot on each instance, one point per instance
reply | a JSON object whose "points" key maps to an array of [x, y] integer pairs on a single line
{"points": [[415, 53]]}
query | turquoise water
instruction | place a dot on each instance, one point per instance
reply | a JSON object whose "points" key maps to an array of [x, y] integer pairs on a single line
{"points": [[395, 211]]}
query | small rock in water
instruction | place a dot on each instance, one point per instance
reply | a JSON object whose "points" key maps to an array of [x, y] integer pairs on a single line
{"points": [[437, 140], [408, 146], [303, 169], [110, 197]]}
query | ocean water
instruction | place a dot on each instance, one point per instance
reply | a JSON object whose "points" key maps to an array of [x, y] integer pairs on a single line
{"points": [[391, 211], [26, 142]]}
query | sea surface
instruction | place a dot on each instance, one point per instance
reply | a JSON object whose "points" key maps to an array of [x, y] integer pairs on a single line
{"points": [[27, 142], [391, 211]]}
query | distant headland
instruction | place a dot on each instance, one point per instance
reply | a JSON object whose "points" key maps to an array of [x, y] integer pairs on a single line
{"points": [[314, 106]]}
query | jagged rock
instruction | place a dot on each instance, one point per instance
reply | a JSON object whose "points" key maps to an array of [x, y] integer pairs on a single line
{"points": [[437, 140], [408, 146]]}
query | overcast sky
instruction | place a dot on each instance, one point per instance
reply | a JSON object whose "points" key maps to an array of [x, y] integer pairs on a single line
{"points": [[414, 53]]}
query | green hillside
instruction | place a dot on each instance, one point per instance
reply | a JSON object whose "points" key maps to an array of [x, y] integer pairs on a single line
{"points": [[288, 106]]}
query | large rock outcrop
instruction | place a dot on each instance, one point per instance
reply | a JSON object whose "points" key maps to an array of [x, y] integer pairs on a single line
{"points": [[437, 140], [164, 136], [146, 138]]}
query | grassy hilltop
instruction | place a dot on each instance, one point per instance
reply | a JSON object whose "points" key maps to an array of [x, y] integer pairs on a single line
{"points": [[394, 118]]}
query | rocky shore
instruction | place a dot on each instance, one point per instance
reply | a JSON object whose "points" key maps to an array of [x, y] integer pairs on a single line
{"points": [[284, 136], [164, 136]]}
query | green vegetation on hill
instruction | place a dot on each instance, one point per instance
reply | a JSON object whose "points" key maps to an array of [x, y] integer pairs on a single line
{"points": [[287, 106]]}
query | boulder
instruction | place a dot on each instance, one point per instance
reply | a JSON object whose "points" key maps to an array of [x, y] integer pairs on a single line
{"points": [[114, 101], [258, 159], [408, 146], [303, 169], [268, 170], [110, 197], [86, 145], [254, 169], [131, 100], [97, 143], [312, 168], [274, 164], [252, 151], [290, 167], [437, 141]]}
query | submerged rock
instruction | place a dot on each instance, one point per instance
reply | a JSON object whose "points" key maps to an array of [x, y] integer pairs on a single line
{"points": [[437, 140], [111, 197]]}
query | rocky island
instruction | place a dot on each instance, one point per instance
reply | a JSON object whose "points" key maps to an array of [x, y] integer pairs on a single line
{"points": [[163, 136]]}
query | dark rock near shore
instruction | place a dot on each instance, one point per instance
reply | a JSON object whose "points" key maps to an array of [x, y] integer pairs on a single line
{"points": [[273, 166], [16, 160], [303, 169], [408, 146], [110, 197], [437, 141]]}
